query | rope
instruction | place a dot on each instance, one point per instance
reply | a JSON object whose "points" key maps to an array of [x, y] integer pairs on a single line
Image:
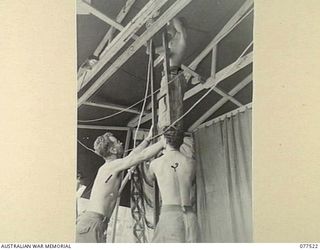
{"points": [[144, 102], [202, 97], [187, 112], [133, 105]]}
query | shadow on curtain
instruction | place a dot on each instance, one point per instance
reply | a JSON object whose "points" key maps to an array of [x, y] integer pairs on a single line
{"points": [[223, 153]]}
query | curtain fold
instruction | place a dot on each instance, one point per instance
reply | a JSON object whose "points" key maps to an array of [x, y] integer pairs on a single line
{"points": [[223, 154]]}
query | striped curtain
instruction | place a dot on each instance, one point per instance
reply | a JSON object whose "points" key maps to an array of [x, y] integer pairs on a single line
{"points": [[224, 191]]}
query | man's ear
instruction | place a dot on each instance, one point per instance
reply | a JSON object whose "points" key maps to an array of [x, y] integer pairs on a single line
{"points": [[113, 150]]}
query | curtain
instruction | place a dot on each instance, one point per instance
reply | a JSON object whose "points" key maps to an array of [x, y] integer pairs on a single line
{"points": [[224, 192]]}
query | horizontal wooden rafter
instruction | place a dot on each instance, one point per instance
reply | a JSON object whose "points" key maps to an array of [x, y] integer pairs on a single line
{"points": [[102, 16], [220, 76], [109, 35], [229, 26], [222, 33], [221, 102], [136, 45], [114, 107], [98, 127], [123, 37]]}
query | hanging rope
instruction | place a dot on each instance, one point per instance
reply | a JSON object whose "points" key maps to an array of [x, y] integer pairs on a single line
{"points": [[132, 106], [157, 90], [203, 96], [144, 102], [187, 112]]}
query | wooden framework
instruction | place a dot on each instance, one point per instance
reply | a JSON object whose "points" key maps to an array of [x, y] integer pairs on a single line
{"points": [[121, 41], [216, 77]]}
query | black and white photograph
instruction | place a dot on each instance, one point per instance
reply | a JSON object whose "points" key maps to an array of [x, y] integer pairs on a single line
{"points": [[164, 121]]}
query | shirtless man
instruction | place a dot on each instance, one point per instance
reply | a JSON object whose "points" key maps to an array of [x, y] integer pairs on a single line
{"points": [[175, 173], [92, 224]]}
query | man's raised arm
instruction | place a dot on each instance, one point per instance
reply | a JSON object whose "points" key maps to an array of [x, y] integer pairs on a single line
{"points": [[143, 144], [136, 158]]}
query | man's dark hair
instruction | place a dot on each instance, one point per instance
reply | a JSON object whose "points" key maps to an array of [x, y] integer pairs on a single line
{"points": [[173, 136], [103, 144]]}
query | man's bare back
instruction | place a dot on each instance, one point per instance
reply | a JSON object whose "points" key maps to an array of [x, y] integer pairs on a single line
{"points": [[175, 173]]}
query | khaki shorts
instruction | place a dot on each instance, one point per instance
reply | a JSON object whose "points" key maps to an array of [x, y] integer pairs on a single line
{"points": [[176, 225], [91, 228]]}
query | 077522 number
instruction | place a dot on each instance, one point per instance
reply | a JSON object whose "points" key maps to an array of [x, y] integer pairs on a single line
{"points": [[308, 245]]}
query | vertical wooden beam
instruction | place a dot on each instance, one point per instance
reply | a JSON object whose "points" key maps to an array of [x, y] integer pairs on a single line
{"points": [[175, 8], [164, 101], [125, 35]]}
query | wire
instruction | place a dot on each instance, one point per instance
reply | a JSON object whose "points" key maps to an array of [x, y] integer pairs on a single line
{"points": [[135, 104], [202, 97], [86, 147], [144, 101]]}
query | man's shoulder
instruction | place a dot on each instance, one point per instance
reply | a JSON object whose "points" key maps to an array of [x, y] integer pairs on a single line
{"points": [[113, 165]]}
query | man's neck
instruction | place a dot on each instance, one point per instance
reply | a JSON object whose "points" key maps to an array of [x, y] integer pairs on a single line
{"points": [[110, 159], [170, 149]]}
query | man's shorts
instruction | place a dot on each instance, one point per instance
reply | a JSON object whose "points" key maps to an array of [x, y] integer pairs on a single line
{"points": [[91, 228], [176, 225]]}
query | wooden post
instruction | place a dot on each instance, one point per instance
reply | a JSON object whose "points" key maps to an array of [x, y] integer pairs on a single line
{"points": [[171, 100], [164, 102]]}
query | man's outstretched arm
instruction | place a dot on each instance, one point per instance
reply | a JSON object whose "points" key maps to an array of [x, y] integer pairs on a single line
{"points": [[143, 144], [136, 158]]}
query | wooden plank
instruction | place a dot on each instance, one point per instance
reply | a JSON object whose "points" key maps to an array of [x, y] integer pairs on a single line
{"points": [[220, 76], [222, 33], [165, 106], [102, 16], [109, 35], [114, 107], [229, 97], [102, 127], [220, 103], [214, 61], [210, 47], [153, 29], [196, 76], [80, 9], [125, 35]]}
